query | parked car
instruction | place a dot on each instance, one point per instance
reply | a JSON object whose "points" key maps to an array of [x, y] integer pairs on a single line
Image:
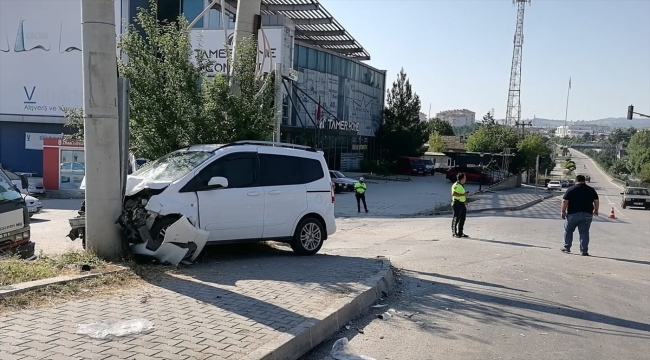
{"points": [[587, 177], [20, 181], [472, 174], [429, 166], [635, 197], [341, 182], [34, 206], [554, 185], [36, 188], [410, 165], [240, 192], [565, 183]]}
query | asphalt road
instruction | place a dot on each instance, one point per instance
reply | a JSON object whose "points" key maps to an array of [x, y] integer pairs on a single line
{"points": [[507, 292]]}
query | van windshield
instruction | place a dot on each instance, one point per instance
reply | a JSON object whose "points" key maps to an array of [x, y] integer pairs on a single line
{"points": [[8, 191], [173, 166]]}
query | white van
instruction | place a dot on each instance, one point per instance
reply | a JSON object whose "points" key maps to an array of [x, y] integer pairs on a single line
{"points": [[239, 192]]}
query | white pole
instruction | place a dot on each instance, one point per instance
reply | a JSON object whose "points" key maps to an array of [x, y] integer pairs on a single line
{"points": [[566, 113], [278, 101], [101, 129]]}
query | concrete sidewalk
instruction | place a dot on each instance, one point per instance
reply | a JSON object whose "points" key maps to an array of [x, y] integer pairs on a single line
{"points": [[504, 200], [268, 304]]}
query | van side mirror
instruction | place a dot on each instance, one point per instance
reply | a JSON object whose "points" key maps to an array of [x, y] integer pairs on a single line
{"points": [[218, 182]]}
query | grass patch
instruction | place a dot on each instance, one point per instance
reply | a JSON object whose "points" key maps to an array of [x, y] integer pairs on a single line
{"points": [[107, 285], [14, 270]]}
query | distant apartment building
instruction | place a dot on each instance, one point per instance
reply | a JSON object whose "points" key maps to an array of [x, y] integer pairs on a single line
{"points": [[458, 117], [423, 116], [573, 130]]}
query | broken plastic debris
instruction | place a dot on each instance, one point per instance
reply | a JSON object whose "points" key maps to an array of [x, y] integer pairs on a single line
{"points": [[384, 316], [379, 305], [104, 328], [342, 351]]}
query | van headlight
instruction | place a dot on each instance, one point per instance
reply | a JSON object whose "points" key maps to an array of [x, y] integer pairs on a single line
{"points": [[19, 237]]}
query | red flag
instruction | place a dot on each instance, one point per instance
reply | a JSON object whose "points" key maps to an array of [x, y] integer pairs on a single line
{"points": [[318, 111]]}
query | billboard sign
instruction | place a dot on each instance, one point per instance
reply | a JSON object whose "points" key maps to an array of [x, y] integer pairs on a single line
{"points": [[210, 46], [40, 56], [34, 141]]}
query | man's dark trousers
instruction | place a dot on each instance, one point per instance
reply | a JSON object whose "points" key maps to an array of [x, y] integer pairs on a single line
{"points": [[460, 213], [361, 197]]}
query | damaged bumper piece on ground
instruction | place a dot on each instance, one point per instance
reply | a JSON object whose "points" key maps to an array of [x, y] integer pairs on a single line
{"points": [[182, 242]]}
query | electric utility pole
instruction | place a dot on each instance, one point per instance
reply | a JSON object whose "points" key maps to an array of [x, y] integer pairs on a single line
{"points": [[101, 129]]}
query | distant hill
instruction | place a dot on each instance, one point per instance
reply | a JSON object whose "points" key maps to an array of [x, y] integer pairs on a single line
{"points": [[639, 123]]}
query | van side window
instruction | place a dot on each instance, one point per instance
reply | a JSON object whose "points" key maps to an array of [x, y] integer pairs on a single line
{"points": [[277, 170], [239, 169], [312, 170]]}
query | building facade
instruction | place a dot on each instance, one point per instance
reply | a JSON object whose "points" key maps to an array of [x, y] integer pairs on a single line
{"points": [[458, 117], [330, 98]]}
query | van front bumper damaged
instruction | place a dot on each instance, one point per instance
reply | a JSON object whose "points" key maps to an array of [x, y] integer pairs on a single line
{"points": [[182, 241]]}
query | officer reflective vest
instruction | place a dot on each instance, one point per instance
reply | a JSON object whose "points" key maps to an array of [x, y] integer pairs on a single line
{"points": [[360, 187], [458, 189]]}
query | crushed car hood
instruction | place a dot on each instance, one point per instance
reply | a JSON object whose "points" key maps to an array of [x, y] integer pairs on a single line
{"points": [[135, 185]]}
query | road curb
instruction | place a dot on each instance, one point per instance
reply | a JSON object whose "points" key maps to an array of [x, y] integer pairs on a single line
{"points": [[307, 335], [20, 288]]}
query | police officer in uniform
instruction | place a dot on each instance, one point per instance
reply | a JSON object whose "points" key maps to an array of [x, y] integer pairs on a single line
{"points": [[459, 206], [360, 193]]}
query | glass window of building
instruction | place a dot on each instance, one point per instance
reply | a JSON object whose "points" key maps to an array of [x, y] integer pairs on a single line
{"points": [[312, 59], [215, 19], [192, 9], [302, 56], [321, 61]]}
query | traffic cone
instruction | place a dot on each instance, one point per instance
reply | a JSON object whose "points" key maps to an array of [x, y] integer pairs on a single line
{"points": [[611, 214]]}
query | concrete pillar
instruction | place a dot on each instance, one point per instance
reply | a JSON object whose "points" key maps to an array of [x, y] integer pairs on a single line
{"points": [[103, 197]]}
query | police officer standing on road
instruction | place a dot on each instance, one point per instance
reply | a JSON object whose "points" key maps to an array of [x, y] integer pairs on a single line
{"points": [[360, 193], [459, 206]]}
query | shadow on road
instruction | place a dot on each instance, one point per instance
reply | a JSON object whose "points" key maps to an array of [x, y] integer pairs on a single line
{"points": [[512, 243]]}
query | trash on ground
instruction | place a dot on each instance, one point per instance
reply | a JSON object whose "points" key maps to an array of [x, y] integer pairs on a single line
{"points": [[105, 328], [392, 311], [342, 351], [379, 306], [384, 316]]}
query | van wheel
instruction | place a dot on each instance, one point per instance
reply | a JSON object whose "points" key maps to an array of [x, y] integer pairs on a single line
{"points": [[308, 238], [158, 231], [623, 205]]}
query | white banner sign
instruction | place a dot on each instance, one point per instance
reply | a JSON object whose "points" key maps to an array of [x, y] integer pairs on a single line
{"points": [[34, 141], [40, 56], [210, 46]]}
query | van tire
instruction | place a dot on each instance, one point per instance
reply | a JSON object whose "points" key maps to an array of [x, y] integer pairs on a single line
{"points": [[309, 237]]}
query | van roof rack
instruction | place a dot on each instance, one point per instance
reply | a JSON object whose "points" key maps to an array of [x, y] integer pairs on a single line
{"points": [[273, 143]]}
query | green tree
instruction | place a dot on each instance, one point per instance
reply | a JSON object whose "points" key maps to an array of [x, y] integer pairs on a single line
{"points": [[172, 102], [401, 132], [436, 144], [621, 136], [619, 167], [531, 146], [492, 137], [638, 150], [644, 174], [443, 128]]}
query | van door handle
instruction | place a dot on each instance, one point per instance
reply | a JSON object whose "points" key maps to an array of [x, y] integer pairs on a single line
{"points": [[254, 193], [274, 192]]}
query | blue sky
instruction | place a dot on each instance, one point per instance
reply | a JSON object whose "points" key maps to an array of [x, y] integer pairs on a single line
{"points": [[458, 53]]}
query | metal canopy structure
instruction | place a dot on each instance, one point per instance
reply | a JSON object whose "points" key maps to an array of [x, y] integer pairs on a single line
{"points": [[316, 26]]}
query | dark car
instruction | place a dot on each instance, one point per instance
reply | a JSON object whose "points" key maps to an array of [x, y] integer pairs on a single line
{"points": [[341, 182], [472, 174], [411, 165]]}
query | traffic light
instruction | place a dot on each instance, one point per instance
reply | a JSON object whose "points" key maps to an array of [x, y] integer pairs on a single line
{"points": [[630, 112]]}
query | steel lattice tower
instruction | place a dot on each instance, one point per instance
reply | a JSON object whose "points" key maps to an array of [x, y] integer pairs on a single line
{"points": [[513, 112]]}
